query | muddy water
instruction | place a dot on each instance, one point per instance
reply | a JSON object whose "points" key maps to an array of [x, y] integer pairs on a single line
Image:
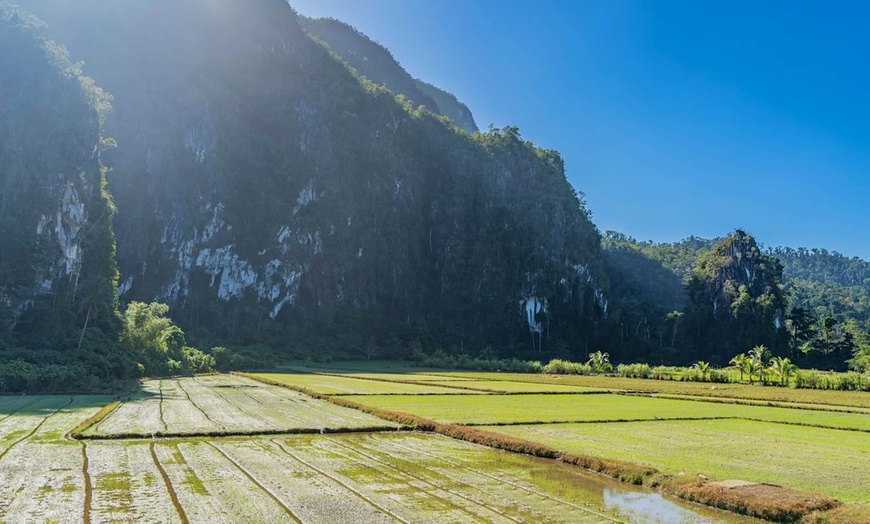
{"points": [[622, 502]]}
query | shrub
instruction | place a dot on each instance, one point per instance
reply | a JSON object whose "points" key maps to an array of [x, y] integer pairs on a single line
{"points": [[720, 376], [195, 361], [565, 367], [693, 375], [634, 370]]}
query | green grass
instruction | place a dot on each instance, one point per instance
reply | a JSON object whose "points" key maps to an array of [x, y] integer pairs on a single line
{"points": [[743, 391], [495, 409], [520, 387], [832, 461], [331, 385]]}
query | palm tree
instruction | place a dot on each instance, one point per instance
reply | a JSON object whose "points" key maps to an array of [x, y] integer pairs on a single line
{"points": [[739, 362], [783, 368], [600, 362], [703, 368], [751, 367], [759, 355]]}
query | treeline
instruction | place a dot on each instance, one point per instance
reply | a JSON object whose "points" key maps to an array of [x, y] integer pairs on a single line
{"points": [[707, 299], [757, 367]]}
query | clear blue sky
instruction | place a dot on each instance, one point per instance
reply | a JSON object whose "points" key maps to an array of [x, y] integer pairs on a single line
{"points": [[674, 118]]}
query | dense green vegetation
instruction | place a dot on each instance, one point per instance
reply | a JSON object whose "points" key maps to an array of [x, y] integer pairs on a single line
{"points": [[659, 291], [376, 63], [58, 276]]}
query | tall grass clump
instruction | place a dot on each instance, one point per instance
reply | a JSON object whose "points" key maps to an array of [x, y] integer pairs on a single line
{"points": [[638, 370], [566, 367]]}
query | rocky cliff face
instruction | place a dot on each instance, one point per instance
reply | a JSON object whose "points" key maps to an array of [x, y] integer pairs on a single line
{"points": [[271, 196], [736, 298], [376, 63], [54, 216]]}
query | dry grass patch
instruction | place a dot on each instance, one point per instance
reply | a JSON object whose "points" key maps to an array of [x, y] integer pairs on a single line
{"points": [[759, 500]]}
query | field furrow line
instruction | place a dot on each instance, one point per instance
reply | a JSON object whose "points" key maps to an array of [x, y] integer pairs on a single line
{"points": [[426, 481], [509, 483], [401, 476], [194, 404], [33, 432], [89, 490], [168, 482], [162, 421], [340, 483], [252, 397], [257, 483]]}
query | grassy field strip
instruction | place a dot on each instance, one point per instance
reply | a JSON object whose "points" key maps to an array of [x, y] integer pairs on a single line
{"points": [[141, 413], [20, 423], [395, 377], [167, 482], [455, 385], [803, 458], [750, 402], [494, 409], [474, 506], [334, 384], [211, 489], [417, 500], [313, 495], [126, 484], [10, 405], [57, 425], [227, 406], [405, 497], [179, 411], [409, 491], [42, 482], [217, 408], [506, 386], [529, 488], [742, 391], [480, 490], [257, 483], [29, 434], [498, 479]]}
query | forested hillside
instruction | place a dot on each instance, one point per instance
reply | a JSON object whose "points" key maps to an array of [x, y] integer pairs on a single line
{"points": [[273, 197], [58, 275], [827, 294]]}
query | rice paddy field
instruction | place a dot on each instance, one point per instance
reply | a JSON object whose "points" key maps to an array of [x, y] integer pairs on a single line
{"points": [[229, 448]]}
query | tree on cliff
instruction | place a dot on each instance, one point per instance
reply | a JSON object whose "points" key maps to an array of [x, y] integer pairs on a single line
{"points": [[736, 300]]}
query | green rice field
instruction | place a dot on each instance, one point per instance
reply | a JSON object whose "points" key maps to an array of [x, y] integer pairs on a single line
{"points": [[225, 448]]}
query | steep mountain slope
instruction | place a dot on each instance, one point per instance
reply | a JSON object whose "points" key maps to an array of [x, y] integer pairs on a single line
{"points": [[58, 277], [449, 106], [272, 197], [376, 63], [55, 220]]}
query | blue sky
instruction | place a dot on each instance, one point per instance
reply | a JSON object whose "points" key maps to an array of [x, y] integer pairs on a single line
{"points": [[674, 118]]}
